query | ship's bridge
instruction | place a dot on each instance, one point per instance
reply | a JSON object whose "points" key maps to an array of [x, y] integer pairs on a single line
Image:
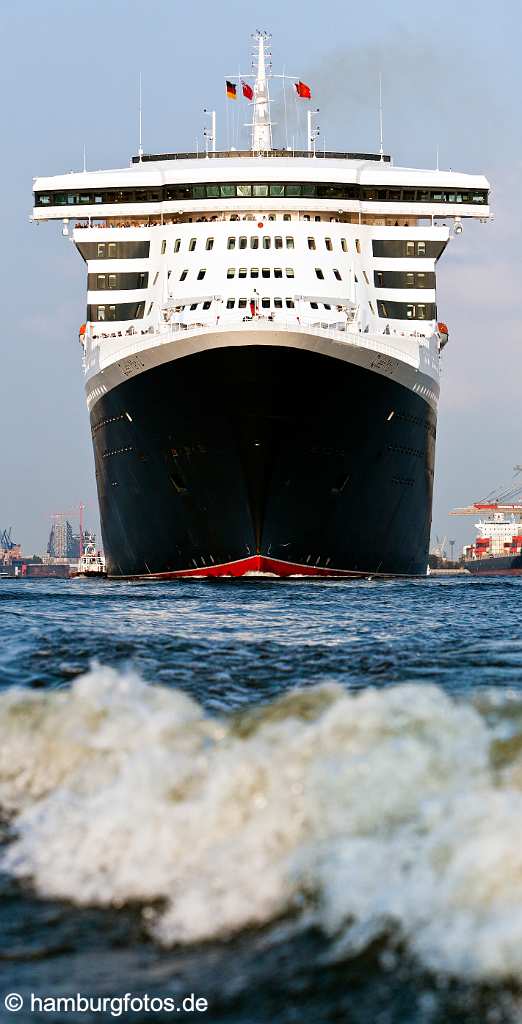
{"points": [[172, 184]]}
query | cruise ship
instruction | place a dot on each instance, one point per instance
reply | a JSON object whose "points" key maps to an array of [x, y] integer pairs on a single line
{"points": [[262, 350]]}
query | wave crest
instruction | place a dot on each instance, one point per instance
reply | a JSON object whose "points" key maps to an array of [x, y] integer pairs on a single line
{"points": [[370, 811]]}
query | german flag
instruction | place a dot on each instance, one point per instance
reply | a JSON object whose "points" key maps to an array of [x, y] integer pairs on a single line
{"points": [[231, 90]]}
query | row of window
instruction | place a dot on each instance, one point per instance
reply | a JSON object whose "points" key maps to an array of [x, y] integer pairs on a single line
{"points": [[382, 278], [407, 310], [403, 279], [398, 248], [266, 190], [402, 248], [277, 303], [320, 274], [257, 242], [242, 242], [263, 303], [136, 310], [119, 311], [265, 272], [114, 250], [124, 281]]}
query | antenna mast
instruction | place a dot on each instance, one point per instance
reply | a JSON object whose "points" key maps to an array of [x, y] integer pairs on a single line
{"points": [[261, 124], [140, 147], [381, 147]]}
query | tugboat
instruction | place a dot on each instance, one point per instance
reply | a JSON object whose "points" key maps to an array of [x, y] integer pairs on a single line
{"points": [[91, 564]]}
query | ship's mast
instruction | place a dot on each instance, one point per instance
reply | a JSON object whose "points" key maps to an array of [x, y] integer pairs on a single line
{"points": [[261, 124]]}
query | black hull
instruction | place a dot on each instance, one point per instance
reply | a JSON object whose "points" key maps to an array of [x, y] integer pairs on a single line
{"points": [[497, 565], [227, 455]]}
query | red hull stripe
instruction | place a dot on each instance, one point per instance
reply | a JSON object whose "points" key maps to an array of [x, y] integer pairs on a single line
{"points": [[256, 563]]}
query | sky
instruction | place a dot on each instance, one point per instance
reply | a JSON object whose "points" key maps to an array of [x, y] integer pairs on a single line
{"points": [[452, 81]]}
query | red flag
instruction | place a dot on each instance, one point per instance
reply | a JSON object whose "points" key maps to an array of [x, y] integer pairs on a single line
{"points": [[248, 91], [303, 90]]}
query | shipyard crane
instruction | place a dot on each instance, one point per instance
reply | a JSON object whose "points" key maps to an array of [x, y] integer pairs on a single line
{"points": [[506, 499], [5, 539]]}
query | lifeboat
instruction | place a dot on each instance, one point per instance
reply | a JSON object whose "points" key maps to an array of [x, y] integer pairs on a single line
{"points": [[443, 333]]}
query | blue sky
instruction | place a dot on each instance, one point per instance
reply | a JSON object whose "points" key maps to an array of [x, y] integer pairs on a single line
{"points": [[69, 77]]}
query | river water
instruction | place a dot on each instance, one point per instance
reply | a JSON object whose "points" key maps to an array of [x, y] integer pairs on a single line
{"points": [[300, 801]]}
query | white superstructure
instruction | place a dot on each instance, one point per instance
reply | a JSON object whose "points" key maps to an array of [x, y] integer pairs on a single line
{"points": [[330, 252]]}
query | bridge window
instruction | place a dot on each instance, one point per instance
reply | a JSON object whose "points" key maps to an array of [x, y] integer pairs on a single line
{"points": [[183, 275], [254, 272], [265, 272], [278, 271], [319, 273], [337, 275], [277, 190], [290, 272], [267, 242], [254, 242], [290, 304], [344, 245], [192, 244], [243, 242], [163, 246], [311, 243], [231, 243], [231, 272], [177, 244], [201, 274], [231, 303], [241, 303], [210, 244], [289, 242], [265, 303], [328, 244], [278, 242], [242, 272], [278, 303]]}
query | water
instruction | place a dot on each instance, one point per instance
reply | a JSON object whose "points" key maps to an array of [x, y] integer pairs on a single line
{"points": [[179, 818]]}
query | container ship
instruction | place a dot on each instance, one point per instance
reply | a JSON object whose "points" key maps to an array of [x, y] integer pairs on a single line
{"points": [[262, 348], [497, 549]]}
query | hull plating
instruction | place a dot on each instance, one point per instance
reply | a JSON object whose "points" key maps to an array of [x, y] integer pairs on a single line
{"points": [[263, 456]]}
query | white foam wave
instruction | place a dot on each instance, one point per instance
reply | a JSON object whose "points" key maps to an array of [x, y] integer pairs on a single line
{"points": [[394, 809]]}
